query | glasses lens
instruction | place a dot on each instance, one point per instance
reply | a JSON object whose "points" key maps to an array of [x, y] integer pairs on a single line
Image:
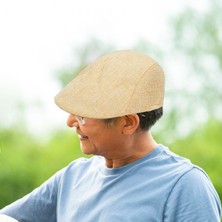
{"points": [[80, 120]]}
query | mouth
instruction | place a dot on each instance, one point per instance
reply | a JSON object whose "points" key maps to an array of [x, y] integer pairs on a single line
{"points": [[83, 137]]}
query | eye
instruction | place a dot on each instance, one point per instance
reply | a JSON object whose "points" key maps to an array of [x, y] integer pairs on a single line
{"points": [[82, 120]]}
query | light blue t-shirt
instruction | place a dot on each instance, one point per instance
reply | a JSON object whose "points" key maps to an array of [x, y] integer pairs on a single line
{"points": [[160, 187]]}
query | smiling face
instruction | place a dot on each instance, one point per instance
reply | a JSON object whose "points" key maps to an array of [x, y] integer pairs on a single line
{"points": [[119, 142], [97, 137]]}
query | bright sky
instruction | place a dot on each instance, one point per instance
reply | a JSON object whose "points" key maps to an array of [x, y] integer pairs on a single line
{"points": [[37, 38]]}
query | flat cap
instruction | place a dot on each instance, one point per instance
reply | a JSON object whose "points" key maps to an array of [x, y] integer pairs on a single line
{"points": [[116, 84]]}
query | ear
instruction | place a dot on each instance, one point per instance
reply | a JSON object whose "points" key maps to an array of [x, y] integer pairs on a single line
{"points": [[131, 124]]}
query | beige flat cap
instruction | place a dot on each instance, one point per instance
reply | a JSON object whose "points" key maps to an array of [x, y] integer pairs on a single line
{"points": [[116, 84]]}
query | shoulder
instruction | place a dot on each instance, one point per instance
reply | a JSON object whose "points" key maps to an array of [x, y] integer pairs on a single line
{"points": [[82, 166], [84, 163], [193, 180], [167, 162], [190, 179], [194, 194]]}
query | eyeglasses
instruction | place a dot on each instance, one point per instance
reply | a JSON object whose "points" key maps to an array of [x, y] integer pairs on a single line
{"points": [[81, 120]]}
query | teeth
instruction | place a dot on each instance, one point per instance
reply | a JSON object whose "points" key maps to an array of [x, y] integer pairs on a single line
{"points": [[83, 137]]}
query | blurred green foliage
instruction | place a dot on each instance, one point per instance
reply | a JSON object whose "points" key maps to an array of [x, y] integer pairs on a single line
{"points": [[197, 41]]}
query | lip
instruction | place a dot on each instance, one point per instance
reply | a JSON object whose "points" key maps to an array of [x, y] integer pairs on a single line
{"points": [[82, 137]]}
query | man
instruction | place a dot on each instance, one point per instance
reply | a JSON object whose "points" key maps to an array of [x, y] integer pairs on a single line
{"points": [[113, 103]]}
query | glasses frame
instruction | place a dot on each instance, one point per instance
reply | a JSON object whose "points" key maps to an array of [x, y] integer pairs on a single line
{"points": [[81, 120]]}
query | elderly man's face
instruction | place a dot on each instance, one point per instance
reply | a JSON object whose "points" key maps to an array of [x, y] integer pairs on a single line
{"points": [[98, 138]]}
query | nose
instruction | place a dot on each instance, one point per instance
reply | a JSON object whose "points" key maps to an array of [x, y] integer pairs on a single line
{"points": [[71, 121]]}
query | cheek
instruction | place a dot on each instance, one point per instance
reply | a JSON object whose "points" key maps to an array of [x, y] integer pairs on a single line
{"points": [[101, 138], [95, 144], [98, 141], [106, 142]]}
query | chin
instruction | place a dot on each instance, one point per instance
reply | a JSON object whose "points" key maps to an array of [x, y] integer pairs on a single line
{"points": [[87, 151]]}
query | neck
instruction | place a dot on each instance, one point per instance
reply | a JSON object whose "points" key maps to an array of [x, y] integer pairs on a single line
{"points": [[137, 148]]}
